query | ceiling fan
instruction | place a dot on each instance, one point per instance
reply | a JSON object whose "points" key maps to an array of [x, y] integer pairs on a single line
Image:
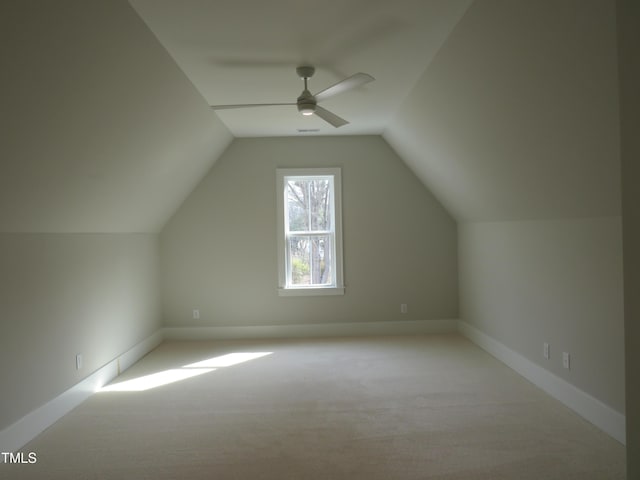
{"points": [[307, 103]]}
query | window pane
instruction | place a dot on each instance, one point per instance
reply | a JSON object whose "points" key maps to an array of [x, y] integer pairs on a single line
{"points": [[320, 203], [298, 205], [310, 259], [321, 269], [300, 260]]}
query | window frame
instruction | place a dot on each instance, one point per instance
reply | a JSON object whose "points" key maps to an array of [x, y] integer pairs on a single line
{"points": [[284, 289]]}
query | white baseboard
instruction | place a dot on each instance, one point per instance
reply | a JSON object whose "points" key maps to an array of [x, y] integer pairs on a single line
{"points": [[590, 408], [406, 327], [31, 425]]}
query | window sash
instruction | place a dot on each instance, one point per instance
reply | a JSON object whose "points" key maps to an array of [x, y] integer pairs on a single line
{"points": [[333, 283], [312, 253], [315, 267], [312, 213]]}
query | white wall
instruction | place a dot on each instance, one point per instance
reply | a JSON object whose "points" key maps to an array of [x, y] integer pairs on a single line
{"points": [[219, 250], [63, 294], [628, 48], [557, 281]]}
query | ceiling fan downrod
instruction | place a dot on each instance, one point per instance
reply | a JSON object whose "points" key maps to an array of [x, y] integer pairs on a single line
{"points": [[306, 101]]}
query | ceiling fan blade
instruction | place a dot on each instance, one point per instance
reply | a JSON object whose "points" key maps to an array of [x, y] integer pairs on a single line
{"points": [[344, 85], [329, 117], [248, 105]]}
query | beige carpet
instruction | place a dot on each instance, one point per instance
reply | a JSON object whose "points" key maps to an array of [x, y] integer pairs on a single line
{"points": [[426, 407]]}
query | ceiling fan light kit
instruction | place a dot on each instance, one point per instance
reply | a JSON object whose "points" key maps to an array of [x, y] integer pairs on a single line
{"points": [[307, 108], [307, 103]]}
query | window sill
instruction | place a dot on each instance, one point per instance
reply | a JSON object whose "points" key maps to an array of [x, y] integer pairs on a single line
{"points": [[310, 291]]}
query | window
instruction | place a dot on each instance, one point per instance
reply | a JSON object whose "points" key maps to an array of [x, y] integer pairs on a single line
{"points": [[309, 231]]}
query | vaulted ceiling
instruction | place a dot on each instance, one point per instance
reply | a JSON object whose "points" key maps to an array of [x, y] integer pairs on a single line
{"points": [[246, 51], [517, 116], [505, 109], [101, 131]]}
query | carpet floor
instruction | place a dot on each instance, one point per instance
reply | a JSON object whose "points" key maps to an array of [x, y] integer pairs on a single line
{"points": [[420, 407]]}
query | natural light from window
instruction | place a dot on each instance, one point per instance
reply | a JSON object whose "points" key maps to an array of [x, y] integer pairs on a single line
{"points": [[154, 380], [228, 360]]}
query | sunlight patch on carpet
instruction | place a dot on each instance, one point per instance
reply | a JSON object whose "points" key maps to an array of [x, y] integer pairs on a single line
{"points": [[155, 380], [228, 360], [173, 375]]}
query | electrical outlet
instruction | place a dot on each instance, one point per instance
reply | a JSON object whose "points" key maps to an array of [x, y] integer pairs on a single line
{"points": [[566, 360], [403, 308], [546, 351], [196, 314], [78, 361]]}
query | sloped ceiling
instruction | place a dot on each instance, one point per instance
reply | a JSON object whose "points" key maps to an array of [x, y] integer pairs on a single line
{"points": [[505, 109], [246, 51], [101, 131], [517, 116]]}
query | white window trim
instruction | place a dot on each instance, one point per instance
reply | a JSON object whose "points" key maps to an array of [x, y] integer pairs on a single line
{"points": [[283, 290]]}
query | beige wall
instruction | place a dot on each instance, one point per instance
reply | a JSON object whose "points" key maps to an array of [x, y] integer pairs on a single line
{"points": [[63, 294], [556, 281], [219, 250], [629, 46]]}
